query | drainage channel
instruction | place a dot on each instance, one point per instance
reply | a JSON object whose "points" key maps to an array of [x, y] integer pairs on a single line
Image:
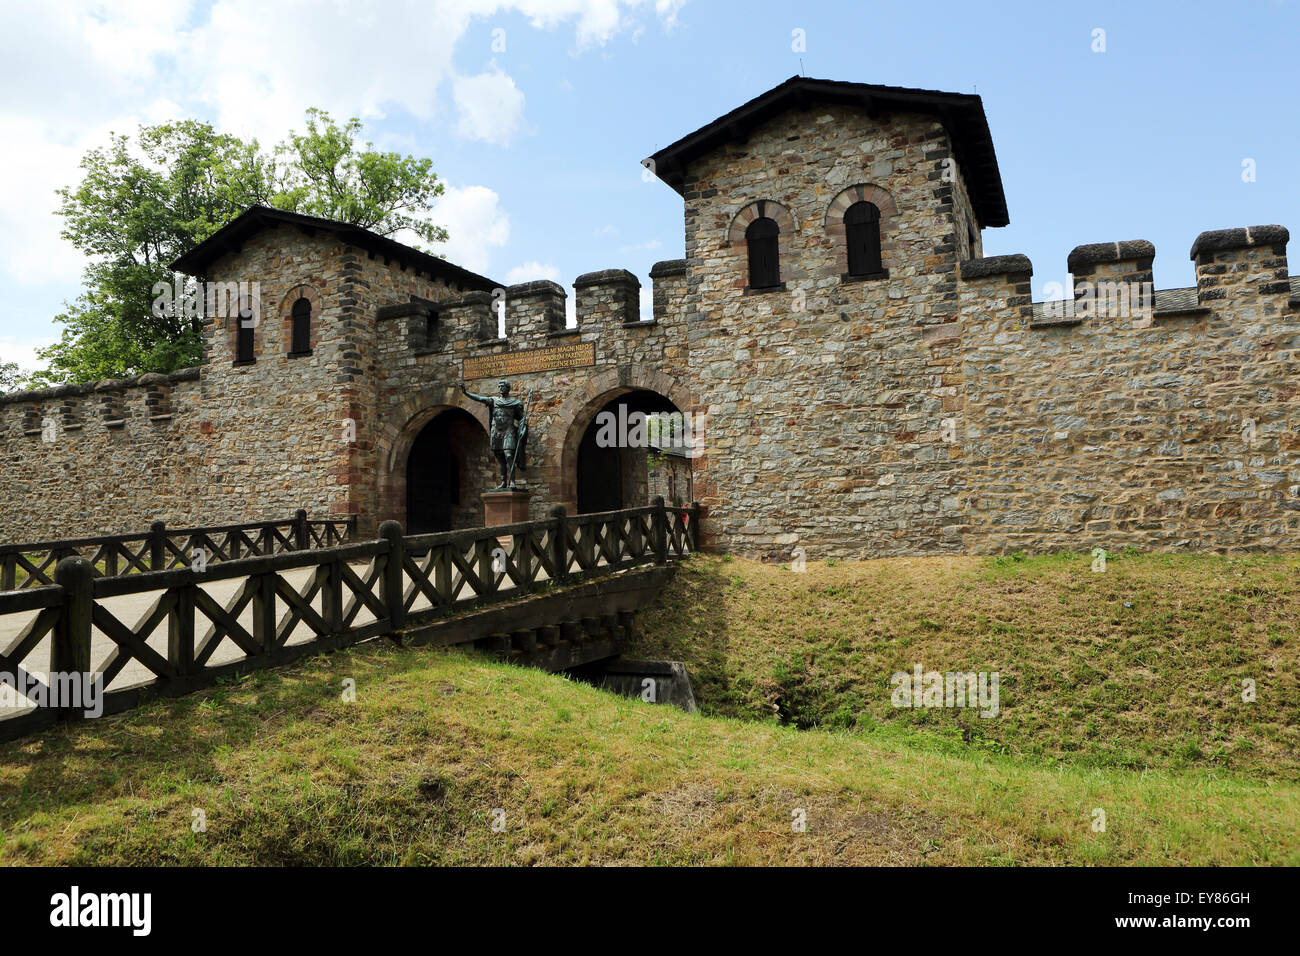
{"points": [[655, 682]]}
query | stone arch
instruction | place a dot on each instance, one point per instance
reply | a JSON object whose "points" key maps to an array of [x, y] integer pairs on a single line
{"points": [[751, 211], [834, 223], [577, 411], [397, 436], [787, 229], [309, 293]]}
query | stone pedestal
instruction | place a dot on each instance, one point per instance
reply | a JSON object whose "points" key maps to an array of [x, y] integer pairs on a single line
{"points": [[504, 507]]}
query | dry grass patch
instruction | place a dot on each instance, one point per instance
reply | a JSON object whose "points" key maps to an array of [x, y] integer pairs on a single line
{"points": [[1139, 667]]}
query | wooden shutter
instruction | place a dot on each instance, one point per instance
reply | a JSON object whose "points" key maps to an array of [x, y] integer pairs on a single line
{"points": [[764, 253], [862, 234]]}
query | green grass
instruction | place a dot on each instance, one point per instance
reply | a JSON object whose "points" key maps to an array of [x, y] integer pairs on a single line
{"points": [[1139, 667], [285, 772], [1120, 691]]}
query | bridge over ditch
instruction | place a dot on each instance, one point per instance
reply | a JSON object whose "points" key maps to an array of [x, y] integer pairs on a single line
{"points": [[557, 593]]}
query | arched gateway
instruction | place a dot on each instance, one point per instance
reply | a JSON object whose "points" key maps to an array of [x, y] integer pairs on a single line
{"points": [[607, 439]]}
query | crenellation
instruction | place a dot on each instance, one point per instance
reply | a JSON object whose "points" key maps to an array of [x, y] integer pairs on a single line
{"points": [[610, 297], [866, 382], [533, 311]]}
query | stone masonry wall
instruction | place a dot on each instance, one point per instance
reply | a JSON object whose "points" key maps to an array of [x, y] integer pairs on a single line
{"points": [[1174, 429], [419, 379], [824, 397], [932, 409], [100, 459]]}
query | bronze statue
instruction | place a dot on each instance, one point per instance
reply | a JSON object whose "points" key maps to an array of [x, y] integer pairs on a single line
{"points": [[508, 435]]}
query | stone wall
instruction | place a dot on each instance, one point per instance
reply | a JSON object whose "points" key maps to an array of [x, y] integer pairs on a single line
{"points": [[931, 409], [1164, 428], [418, 380], [823, 397], [112, 456]]}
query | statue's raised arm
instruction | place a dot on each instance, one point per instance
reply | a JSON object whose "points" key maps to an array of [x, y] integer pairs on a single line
{"points": [[485, 399]]}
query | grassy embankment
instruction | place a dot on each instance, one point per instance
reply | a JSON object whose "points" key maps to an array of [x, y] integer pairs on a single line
{"points": [[1126, 709]]}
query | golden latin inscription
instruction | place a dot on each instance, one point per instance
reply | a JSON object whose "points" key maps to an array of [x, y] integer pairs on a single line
{"points": [[574, 355]]}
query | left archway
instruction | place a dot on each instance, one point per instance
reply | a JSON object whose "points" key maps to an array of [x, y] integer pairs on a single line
{"points": [[447, 469]]}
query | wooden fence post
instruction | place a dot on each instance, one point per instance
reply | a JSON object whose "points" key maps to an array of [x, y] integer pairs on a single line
{"points": [[302, 540], [390, 586], [559, 542], [158, 546], [70, 649], [264, 622], [330, 577], [693, 523], [661, 530], [180, 630]]}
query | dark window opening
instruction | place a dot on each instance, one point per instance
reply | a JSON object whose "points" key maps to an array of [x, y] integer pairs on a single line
{"points": [[243, 340], [301, 320], [862, 234], [764, 264]]}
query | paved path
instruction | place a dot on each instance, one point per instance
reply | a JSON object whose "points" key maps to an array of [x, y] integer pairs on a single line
{"points": [[132, 608]]}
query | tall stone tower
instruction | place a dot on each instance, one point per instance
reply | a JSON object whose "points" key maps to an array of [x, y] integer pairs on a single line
{"points": [[826, 375]]}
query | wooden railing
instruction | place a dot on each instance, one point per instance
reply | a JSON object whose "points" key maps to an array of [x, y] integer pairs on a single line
{"points": [[243, 613], [162, 548]]}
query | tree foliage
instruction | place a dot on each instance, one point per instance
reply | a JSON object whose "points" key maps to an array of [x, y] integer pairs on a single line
{"points": [[142, 203], [11, 377]]}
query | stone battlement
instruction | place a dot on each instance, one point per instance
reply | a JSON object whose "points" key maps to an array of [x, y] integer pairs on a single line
{"points": [[860, 380]]}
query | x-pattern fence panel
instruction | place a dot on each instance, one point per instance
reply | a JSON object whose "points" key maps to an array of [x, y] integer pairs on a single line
{"points": [[162, 548], [170, 631]]}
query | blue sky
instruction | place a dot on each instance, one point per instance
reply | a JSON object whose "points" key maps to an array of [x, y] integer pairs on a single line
{"points": [[537, 112]]}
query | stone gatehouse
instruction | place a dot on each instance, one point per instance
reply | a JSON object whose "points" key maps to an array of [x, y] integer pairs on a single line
{"points": [[867, 381]]}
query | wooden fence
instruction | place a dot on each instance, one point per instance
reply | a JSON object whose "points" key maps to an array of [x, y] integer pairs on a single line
{"points": [[243, 613], [162, 548]]}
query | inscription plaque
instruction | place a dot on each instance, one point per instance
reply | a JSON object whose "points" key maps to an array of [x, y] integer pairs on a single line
{"points": [[572, 355]]}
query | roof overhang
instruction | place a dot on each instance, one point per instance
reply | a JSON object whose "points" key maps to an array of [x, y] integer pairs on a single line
{"points": [[231, 236], [962, 115]]}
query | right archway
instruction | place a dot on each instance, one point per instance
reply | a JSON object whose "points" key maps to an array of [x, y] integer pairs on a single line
{"points": [[627, 449]]}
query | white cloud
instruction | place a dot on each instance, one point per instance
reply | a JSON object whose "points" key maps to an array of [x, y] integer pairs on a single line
{"points": [[531, 272], [75, 70], [647, 246], [475, 223], [489, 107], [24, 353]]}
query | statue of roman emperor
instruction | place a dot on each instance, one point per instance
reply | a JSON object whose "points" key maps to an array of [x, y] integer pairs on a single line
{"points": [[508, 435]]}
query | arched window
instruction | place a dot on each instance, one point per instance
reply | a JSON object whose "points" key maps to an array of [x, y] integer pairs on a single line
{"points": [[764, 265], [243, 340], [862, 234], [301, 322]]}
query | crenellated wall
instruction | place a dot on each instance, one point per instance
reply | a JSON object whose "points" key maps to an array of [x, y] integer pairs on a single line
{"points": [[99, 458], [416, 384], [932, 407], [1172, 426], [328, 429]]}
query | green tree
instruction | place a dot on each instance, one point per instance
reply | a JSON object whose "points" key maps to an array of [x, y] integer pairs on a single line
{"points": [[142, 204], [11, 377]]}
